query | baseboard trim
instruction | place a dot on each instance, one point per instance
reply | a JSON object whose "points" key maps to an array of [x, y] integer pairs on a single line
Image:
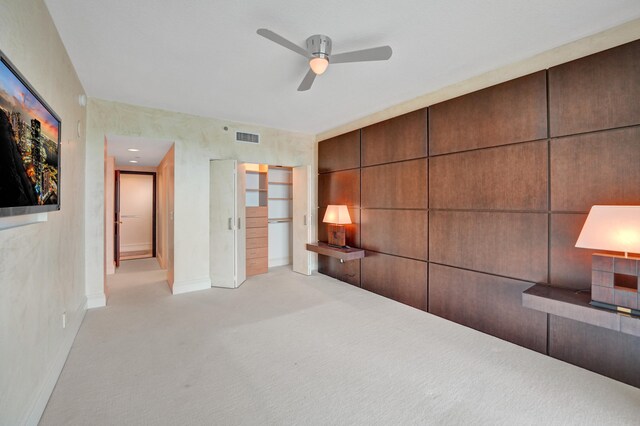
{"points": [[40, 403], [181, 287], [279, 262], [124, 248], [97, 300]]}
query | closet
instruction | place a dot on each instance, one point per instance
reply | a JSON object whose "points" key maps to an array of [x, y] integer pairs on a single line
{"points": [[269, 211]]}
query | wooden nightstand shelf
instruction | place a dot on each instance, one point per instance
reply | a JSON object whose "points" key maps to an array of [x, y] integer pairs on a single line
{"points": [[570, 304], [344, 254]]}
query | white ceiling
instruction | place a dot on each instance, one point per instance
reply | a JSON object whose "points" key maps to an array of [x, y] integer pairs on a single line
{"points": [[204, 57], [151, 151]]}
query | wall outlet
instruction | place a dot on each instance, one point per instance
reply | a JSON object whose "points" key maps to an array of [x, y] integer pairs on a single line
{"points": [[64, 320]]}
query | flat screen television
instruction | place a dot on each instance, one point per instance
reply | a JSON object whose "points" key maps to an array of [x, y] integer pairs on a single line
{"points": [[29, 147]]}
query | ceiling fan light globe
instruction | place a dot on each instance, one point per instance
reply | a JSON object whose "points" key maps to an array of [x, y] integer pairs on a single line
{"points": [[319, 65]]}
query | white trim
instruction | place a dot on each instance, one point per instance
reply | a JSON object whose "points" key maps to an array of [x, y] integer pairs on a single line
{"points": [[281, 261], [124, 248], [42, 398], [97, 300], [191, 285]]}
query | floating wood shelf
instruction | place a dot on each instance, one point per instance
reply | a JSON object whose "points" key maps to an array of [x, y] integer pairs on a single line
{"points": [[280, 183], [255, 172], [280, 198], [344, 254], [575, 305]]}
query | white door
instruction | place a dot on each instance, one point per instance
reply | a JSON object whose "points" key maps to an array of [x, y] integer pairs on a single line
{"points": [[227, 263], [301, 220], [136, 215], [241, 230]]}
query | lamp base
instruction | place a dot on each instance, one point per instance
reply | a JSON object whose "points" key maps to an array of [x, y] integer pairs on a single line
{"points": [[337, 235], [614, 283], [616, 308]]}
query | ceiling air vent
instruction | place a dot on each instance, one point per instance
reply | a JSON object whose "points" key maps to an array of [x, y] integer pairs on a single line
{"points": [[247, 137]]}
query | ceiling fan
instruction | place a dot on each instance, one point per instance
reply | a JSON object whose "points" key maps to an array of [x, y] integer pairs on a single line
{"points": [[318, 52]]}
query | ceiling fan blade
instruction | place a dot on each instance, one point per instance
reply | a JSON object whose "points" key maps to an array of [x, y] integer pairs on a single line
{"points": [[282, 41], [381, 53], [307, 81]]}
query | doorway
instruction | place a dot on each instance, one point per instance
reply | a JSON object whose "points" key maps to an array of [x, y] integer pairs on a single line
{"points": [[135, 215], [139, 212]]}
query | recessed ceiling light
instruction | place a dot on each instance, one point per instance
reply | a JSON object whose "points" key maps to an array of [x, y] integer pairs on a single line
{"points": [[133, 161], [133, 149]]}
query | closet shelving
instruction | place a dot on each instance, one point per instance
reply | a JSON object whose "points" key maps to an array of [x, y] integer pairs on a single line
{"points": [[269, 200]]}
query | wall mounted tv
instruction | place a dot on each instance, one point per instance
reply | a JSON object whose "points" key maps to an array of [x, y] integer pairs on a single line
{"points": [[29, 147]]}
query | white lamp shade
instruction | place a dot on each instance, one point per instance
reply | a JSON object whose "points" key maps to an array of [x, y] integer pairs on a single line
{"points": [[337, 214], [612, 228]]}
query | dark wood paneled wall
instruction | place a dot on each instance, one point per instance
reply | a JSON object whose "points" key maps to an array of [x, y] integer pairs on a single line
{"points": [[463, 205]]}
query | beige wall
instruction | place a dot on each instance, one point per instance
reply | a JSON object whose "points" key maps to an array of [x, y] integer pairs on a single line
{"points": [[42, 265], [197, 140], [164, 249]]}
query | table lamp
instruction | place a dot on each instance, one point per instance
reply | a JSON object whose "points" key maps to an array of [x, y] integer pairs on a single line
{"points": [[614, 278], [337, 216]]}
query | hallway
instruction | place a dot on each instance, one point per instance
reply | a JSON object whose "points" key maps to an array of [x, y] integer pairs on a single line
{"points": [[290, 349]]}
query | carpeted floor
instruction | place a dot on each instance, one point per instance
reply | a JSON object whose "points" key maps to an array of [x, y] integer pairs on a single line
{"points": [[289, 349]]}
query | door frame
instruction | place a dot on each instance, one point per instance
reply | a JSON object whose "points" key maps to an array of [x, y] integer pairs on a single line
{"points": [[116, 247]]}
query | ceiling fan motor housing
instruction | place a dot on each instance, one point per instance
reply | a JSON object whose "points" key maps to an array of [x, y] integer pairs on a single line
{"points": [[319, 46]]}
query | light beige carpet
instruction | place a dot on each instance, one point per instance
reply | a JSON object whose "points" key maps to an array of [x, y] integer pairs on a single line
{"points": [[289, 349]]}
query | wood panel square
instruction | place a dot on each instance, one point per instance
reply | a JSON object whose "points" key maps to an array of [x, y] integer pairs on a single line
{"points": [[596, 92], [508, 244], [487, 303], [339, 188], [596, 168], [398, 232], [598, 349], [348, 272], [601, 278], [625, 298], [400, 138], [570, 266], [400, 185], [339, 153], [602, 263], [625, 266], [400, 279], [515, 111], [510, 177], [602, 294]]}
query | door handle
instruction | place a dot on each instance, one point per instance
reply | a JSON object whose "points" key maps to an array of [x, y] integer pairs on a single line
{"points": [[230, 224], [305, 220], [239, 226], [118, 221]]}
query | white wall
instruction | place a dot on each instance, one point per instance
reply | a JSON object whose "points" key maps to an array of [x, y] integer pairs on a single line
{"points": [[197, 140], [42, 265]]}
